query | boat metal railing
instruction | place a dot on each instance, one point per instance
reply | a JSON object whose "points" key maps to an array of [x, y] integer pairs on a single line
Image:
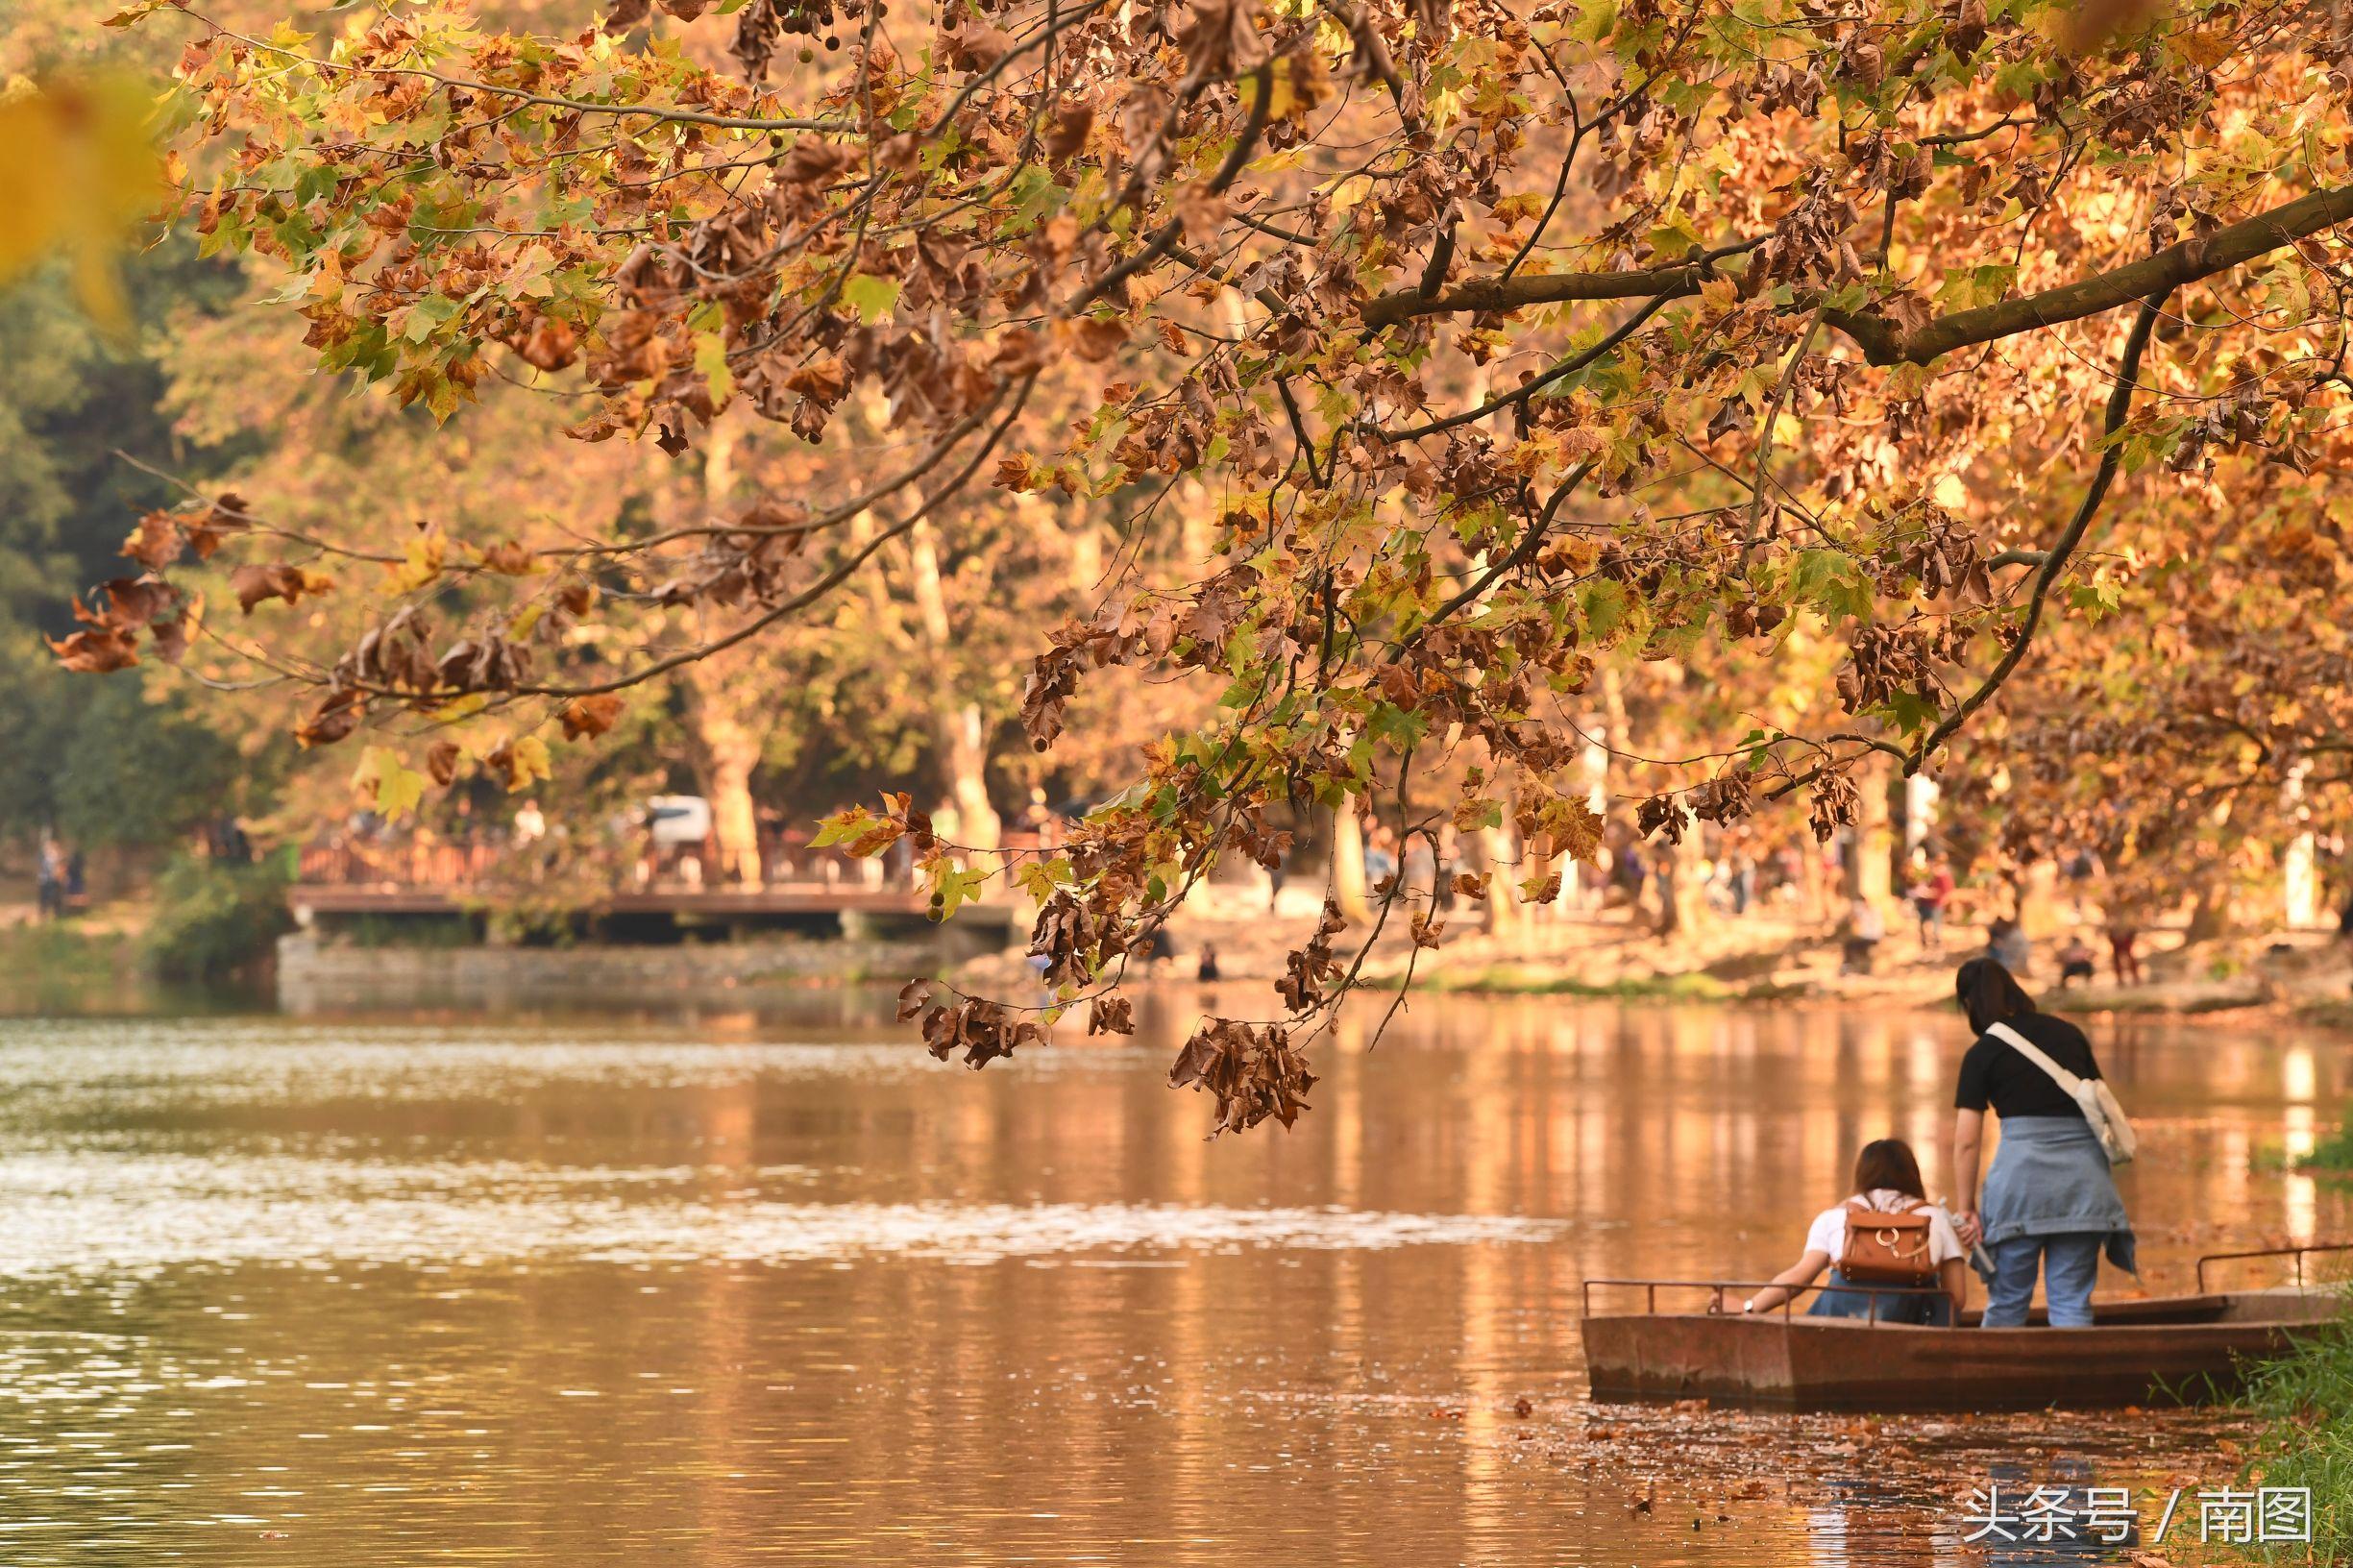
{"points": [[1718, 1289], [2297, 1253]]}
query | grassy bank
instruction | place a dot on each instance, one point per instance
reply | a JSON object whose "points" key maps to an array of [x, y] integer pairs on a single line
{"points": [[65, 965], [68, 952], [2332, 1153], [204, 932], [2306, 1402]]}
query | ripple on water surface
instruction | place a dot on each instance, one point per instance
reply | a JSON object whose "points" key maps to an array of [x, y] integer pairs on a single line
{"points": [[134, 1215]]}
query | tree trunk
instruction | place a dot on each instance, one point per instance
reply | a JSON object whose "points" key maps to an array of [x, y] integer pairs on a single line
{"points": [[1920, 793], [1870, 841], [1594, 758], [1615, 732], [1348, 860], [721, 708], [2299, 863], [2210, 915], [1537, 865], [957, 724], [729, 748], [2036, 891], [1682, 899], [965, 756], [1683, 876], [1504, 912], [2299, 883], [731, 752]]}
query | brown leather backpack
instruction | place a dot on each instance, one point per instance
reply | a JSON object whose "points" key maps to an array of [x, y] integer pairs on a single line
{"points": [[1884, 1248]]}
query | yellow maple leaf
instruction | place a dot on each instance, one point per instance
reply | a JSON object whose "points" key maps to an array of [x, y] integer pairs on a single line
{"points": [[77, 169]]}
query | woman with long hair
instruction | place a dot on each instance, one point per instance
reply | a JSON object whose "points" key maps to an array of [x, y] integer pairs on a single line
{"points": [[2050, 1205], [1886, 1182]]}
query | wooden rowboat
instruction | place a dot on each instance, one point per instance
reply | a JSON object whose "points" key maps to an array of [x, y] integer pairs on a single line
{"points": [[2188, 1349]]}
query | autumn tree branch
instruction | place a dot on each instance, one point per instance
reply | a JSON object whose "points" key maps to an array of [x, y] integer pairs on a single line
{"points": [[1506, 294], [833, 577], [1519, 555], [2154, 276], [1534, 384], [665, 113], [2055, 560], [1165, 237], [1881, 341]]}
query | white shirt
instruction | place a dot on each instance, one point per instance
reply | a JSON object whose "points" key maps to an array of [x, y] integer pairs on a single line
{"points": [[1828, 1235]]}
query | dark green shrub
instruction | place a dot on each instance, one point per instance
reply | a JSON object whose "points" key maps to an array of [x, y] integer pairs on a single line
{"points": [[214, 920]]}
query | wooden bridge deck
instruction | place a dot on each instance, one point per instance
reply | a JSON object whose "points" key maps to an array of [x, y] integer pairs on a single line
{"points": [[314, 899], [426, 876]]}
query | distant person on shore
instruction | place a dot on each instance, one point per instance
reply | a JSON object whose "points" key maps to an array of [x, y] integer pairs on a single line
{"points": [[1866, 929], [49, 877], [1931, 891], [2075, 962], [2007, 945], [2050, 1205], [2345, 925], [1743, 878], [225, 841], [2079, 867], [1207, 968], [1902, 1246], [2122, 937], [1626, 875], [1418, 863]]}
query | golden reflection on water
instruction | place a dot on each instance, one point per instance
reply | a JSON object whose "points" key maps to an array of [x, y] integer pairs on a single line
{"points": [[739, 1287]]}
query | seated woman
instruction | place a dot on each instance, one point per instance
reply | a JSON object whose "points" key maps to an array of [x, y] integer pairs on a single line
{"points": [[1886, 1180], [2075, 962]]}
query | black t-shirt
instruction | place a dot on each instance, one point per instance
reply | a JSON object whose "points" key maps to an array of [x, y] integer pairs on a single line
{"points": [[1993, 1072]]}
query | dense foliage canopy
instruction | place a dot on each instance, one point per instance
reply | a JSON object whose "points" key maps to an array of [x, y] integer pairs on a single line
{"points": [[1495, 344]]}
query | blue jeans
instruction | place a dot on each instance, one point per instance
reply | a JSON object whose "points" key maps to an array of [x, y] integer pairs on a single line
{"points": [[1839, 1299], [2069, 1265]]}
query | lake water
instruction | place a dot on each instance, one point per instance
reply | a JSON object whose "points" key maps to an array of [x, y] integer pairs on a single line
{"points": [[742, 1287]]}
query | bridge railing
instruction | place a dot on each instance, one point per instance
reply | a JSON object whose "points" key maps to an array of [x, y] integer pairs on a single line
{"points": [[428, 861]]}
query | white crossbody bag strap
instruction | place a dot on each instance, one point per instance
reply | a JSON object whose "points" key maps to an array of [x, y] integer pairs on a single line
{"points": [[2097, 1101], [2028, 1048]]}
